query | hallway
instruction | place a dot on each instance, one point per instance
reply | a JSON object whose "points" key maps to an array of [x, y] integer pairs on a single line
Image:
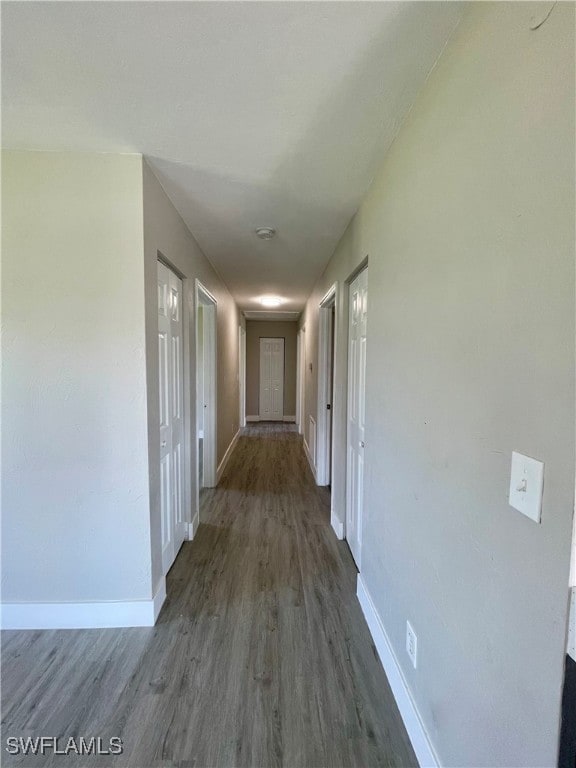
{"points": [[260, 657]]}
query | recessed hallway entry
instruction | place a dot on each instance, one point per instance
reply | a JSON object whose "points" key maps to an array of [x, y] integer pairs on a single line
{"points": [[261, 656]]}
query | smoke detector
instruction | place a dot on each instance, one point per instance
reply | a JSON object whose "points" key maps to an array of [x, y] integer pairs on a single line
{"points": [[265, 233]]}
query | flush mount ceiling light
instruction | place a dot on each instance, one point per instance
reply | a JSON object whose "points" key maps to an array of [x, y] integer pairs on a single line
{"points": [[265, 233], [270, 301]]}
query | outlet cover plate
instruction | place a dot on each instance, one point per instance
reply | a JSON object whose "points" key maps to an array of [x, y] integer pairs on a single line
{"points": [[411, 644]]}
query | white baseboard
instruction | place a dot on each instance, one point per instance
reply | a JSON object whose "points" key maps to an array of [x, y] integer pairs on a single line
{"points": [[284, 418], [226, 457], [309, 457], [158, 599], [193, 526], [337, 526], [417, 733], [130, 613]]}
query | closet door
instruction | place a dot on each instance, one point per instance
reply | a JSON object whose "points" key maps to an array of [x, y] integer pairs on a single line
{"points": [[358, 314], [171, 373], [271, 379]]}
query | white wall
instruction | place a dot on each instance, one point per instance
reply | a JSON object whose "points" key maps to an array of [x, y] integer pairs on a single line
{"points": [[469, 228], [166, 233], [75, 524]]}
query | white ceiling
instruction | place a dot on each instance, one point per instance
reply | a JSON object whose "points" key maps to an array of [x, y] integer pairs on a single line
{"points": [[250, 113]]}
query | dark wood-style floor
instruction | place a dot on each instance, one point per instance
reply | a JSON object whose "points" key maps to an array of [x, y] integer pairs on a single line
{"points": [[260, 657]]}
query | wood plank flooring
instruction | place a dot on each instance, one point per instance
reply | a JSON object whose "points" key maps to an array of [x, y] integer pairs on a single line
{"points": [[260, 657]]}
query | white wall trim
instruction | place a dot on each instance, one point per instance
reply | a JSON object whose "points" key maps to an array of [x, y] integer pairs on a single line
{"points": [[417, 733], [337, 526], [193, 526], [326, 343], [309, 457], [300, 379], [226, 457], [290, 419], [106, 615], [159, 598], [202, 296]]}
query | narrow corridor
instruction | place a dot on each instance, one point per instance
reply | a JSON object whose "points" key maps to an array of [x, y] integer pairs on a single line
{"points": [[260, 657]]}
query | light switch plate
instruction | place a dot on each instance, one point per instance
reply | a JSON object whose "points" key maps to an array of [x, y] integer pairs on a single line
{"points": [[526, 486]]}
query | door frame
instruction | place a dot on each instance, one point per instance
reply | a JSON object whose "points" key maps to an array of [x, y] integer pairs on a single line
{"points": [[242, 375], [324, 441], [203, 297], [300, 378]]}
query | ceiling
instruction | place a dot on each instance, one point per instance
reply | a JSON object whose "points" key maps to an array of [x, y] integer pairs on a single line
{"points": [[250, 113]]}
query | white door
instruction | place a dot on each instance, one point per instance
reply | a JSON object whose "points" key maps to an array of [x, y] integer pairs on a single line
{"points": [[170, 352], [330, 405], [271, 379], [242, 374], [358, 308]]}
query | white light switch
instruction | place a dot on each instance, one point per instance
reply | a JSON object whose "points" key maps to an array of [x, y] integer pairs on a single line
{"points": [[526, 486]]}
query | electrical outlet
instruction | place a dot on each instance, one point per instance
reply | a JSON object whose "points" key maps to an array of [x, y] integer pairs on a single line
{"points": [[411, 643]]}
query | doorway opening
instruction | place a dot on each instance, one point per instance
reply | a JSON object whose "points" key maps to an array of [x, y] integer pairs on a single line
{"points": [[206, 307], [355, 421], [326, 346]]}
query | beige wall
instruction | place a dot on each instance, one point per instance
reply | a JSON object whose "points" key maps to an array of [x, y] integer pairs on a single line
{"points": [[255, 330], [469, 229], [165, 232], [75, 514]]}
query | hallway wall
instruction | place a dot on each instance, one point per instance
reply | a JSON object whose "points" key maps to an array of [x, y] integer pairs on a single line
{"points": [[165, 232], [80, 493], [255, 329], [75, 516], [469, 231]]}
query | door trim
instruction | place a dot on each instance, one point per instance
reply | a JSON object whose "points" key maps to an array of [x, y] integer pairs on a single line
{"points": [[202, 296], [325, 386]]}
